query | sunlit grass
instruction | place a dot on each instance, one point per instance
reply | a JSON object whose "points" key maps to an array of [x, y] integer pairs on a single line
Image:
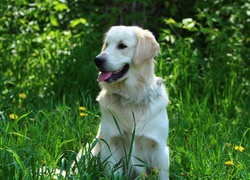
{"points": [[208, 112], [206, 141]]}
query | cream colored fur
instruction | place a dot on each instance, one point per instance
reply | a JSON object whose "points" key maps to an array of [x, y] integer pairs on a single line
{"points": [[137, 101]]}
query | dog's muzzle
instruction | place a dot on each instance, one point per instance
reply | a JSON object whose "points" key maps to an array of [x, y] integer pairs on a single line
{"points": [[99, 62], [109, 76]]}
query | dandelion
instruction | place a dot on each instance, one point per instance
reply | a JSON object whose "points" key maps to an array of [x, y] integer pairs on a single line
{"points": [[229, 163], [22, 96], [13, 116], [239, 148], [83, 114], [81, 108]]}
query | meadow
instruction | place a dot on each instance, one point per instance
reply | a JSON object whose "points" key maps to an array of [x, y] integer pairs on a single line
{"points": [[48, 88]]}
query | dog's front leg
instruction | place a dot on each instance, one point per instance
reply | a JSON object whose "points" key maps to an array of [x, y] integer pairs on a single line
{"points": [[114, 153], [111, 151], [160, 160]]}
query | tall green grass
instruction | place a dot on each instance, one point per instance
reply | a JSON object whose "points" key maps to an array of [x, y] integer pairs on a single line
{"points": [[209, 116], [206, 123], [206, 74]]}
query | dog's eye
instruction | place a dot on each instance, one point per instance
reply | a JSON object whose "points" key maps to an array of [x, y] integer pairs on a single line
{"points": [[121, 46]]}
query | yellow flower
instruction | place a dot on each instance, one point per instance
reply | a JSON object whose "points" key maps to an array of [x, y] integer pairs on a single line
{"points": [[83, 114], [230, 163], [22, 96], [228, 144], [13, 116], [239, 148], [81, 108]]}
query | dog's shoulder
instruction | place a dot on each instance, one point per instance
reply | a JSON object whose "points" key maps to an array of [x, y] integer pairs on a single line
{"points": [[160, 91]]}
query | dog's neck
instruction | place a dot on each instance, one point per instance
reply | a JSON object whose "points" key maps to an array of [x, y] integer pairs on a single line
{"points": [[139, 93], [144, 95]]}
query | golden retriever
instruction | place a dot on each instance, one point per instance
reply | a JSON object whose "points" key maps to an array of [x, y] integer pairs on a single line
{"points": [[133, 104]]}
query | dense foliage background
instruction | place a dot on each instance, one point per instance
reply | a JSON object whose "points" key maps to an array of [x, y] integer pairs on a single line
{"points": [[47, 50], [48, 46]]}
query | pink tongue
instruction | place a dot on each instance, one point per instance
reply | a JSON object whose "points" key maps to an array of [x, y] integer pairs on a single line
{"points": [[104, 76]]}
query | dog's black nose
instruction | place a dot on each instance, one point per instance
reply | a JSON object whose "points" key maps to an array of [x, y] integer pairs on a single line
{"points": [[99, 61]]}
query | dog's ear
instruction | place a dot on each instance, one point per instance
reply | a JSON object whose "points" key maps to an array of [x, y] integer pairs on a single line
{"points": [[147, 47]]}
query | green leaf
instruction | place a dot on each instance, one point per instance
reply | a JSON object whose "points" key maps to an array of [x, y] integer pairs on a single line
{"points": [[206, 30], [60, 7], [75, 22], [54, 21], [170, 21]]}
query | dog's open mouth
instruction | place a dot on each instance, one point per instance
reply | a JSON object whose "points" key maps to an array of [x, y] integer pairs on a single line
{"points": [[113, 76]]}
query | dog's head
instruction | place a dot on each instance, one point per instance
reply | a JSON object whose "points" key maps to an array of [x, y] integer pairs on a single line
{"points": [[124, 48]]}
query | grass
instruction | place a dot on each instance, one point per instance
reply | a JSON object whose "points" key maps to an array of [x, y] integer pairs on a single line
{"points": [[208, 113]]}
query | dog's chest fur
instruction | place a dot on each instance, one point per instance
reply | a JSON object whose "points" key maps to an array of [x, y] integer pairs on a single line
{"points": [[128, 113]]}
